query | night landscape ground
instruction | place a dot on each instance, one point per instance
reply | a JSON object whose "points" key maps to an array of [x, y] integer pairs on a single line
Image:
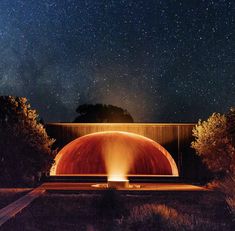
{"points": [[8, 195], [116, 210]]}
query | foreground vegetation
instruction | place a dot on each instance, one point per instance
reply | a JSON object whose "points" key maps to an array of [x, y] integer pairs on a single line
{"points": [[25, 148], [112, 210], [215, 144]]}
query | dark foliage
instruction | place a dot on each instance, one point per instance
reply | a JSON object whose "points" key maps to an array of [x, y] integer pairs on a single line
{"points": [[25, 148], [231, 124], [102, 113]]}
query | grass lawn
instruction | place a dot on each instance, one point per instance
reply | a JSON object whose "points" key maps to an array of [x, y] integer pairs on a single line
{"points": [[112, 210], [8, 195]]}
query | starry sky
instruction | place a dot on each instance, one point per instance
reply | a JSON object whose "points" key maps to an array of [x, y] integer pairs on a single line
{"points": [[162, 60]]}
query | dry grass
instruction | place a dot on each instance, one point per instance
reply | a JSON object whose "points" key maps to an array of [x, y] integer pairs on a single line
{"points": [[227, 186], [152, 216]]}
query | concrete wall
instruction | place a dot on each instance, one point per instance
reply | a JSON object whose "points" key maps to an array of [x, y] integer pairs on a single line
{"points": [[176, 138]]}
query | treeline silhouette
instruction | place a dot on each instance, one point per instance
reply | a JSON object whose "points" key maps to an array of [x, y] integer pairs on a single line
{"points": [[102, 113]]}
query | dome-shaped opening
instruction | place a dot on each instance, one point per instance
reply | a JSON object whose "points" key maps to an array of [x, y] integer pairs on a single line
{"points": [[105, 152]]}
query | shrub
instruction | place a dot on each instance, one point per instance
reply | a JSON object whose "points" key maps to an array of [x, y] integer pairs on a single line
{"points": [[161, 217], [153, 217]]}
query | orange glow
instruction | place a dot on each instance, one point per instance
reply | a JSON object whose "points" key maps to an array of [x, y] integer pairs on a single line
{"points": [[116, 154], [120, 177]]}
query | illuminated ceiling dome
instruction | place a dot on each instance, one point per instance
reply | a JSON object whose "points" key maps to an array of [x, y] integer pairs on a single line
{"points": [[96, 152]]}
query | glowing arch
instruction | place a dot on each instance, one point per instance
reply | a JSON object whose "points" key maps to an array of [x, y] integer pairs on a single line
{"points": [[102, 152]]}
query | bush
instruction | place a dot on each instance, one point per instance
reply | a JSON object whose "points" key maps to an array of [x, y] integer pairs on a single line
{"points": [[161, 217], [153, 217]]}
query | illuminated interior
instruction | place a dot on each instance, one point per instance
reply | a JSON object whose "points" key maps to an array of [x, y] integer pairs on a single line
{"points": [[116, 154]]}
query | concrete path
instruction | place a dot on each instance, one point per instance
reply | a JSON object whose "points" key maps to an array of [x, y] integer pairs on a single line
{"points": [[12, 209]]}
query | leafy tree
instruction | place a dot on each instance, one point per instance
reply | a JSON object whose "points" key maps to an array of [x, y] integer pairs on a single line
{"points": [[231, 124], [102, 113], [213, 142], [25, 148]]}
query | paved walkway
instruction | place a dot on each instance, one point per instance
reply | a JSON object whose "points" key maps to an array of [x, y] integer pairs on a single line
{"points": [[12, 209]]}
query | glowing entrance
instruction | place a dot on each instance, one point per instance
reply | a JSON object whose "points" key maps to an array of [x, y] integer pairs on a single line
{"points": [[116, 154]]}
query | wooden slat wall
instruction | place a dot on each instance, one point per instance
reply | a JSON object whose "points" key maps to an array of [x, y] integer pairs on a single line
{"points": [[176, 138], [161, 133]]}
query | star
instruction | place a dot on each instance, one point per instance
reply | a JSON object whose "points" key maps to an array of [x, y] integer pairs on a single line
{"points": [[161, 60]]}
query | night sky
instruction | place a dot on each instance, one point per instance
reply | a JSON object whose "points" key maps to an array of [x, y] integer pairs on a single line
{"points": [[162, 60]]}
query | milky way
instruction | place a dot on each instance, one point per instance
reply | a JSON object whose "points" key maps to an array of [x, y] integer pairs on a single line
{"points": [[163, 61]]}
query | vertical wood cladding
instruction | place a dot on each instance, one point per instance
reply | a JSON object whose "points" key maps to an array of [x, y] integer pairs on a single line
{"points": [[176, 138]]}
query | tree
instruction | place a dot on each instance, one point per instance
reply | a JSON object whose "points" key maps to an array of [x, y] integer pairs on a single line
{"points": [[214, 144], [102, 113], [231, 124], [25, 148]]}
